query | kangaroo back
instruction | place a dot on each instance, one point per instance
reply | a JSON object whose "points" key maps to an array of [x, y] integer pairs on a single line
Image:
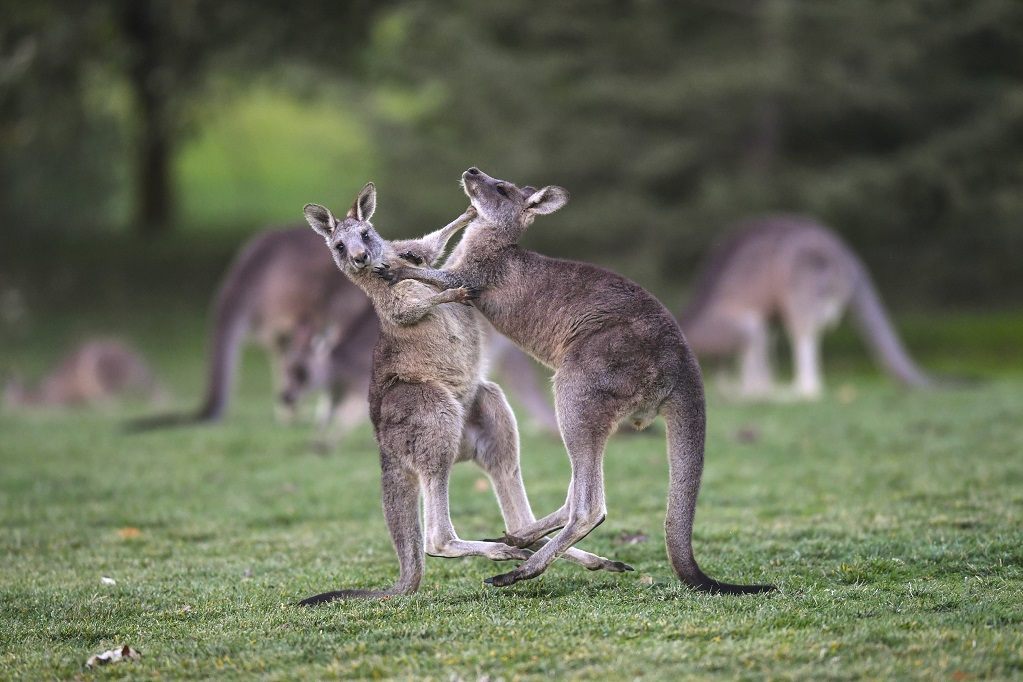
{"points": [[880, 335]]}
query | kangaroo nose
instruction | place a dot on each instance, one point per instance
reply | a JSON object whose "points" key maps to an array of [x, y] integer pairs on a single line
{"points": [[473, 171], [359, 257]]}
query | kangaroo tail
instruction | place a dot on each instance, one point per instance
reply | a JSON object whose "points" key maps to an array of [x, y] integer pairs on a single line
{"points": [[686, 426], [228, 329], [401, 510], [230, 325], [880, 335]]}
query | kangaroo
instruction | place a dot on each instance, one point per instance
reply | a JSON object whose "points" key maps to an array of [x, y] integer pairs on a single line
{"points": [[98, 371], [801, 272], [280, 291], [616, 352], [429, 404]]}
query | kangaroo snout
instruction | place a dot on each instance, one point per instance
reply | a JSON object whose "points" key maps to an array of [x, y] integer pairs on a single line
{"points": [[473, 170], [359, 257]]}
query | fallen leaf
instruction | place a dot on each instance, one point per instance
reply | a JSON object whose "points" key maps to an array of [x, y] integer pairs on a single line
{"points": [[124, 653], [646, 580], [481, 485], [128, 532], [107, 581]]}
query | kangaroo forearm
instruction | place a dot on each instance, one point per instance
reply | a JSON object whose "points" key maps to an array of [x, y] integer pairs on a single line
{"points": [[429, 248], [443, 279], [411, 312]]}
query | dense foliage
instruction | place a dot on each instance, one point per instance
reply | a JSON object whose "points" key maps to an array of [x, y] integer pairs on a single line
{"points": [[899, 124]]}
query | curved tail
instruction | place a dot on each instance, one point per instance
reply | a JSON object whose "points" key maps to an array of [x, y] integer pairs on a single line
{"points": [[401, 510], [880, 335], [686, 426]]}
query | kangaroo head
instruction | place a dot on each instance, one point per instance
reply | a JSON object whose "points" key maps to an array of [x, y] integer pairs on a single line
{"points": [[506, 205], [305, 363], [353, 242]]}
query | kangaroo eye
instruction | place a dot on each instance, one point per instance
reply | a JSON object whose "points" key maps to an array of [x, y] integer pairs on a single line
{"points": [[340, 247], [502, 191], [365, 234]]}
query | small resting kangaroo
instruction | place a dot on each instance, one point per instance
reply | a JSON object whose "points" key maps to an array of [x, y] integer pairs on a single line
{"points": [[801, 272], [98, 371], [429, 404], [616, 350]]}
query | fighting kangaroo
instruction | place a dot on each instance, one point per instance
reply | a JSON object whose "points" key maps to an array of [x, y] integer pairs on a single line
{"points": [[617, 353], [429, 404], [800, 272]]}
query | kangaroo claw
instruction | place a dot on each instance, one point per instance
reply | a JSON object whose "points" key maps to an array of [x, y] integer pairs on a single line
{"points": [[384, 272]]}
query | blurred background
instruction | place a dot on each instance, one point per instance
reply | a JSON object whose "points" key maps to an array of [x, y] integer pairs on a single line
{"points": [[142, 141]]}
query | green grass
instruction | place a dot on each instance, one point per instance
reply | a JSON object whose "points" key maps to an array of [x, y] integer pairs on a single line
{"points": [[890, 521]]}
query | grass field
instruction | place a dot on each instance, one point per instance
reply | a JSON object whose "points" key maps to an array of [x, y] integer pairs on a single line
{"points": [[891, 523]]}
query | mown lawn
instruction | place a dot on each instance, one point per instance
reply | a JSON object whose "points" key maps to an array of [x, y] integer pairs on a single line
{"points": [[890, 521]]}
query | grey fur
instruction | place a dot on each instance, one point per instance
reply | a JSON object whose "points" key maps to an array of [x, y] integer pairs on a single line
{"points": [[98, 371], [617, 353], [800, 272], [429, 403]]}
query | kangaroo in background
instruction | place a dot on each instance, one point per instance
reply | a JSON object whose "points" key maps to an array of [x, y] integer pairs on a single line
{"points": [[429, 403], [802, 273], [339, 363], [97, 371], [616, 350]]}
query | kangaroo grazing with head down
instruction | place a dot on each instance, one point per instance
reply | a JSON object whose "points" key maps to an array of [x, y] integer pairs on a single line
{"points": [[617, 353], [98, 371], [280, 291], [800, 272], [429, 403]]}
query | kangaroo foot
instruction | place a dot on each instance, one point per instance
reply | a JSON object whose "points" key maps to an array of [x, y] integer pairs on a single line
{"points": [[612, 566], [506, 579]]}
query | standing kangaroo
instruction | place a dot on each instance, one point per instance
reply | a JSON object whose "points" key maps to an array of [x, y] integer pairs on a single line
{"points": [[616, 350], [794, 269], [98, 371], [429, 404]]}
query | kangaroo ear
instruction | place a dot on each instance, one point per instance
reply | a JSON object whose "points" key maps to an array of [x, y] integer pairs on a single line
{"points": [[365, 204], [320, 219], [547, 200]]}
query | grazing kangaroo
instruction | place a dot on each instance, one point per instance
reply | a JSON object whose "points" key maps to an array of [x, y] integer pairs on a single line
{"points": [[280, 290], [97, 371], [802, 273], [340, 365], [616, 350], [429, 404]]}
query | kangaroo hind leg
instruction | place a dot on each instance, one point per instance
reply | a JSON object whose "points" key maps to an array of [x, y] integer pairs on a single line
{"points": [[492, 440], [587, 421], [401, 510]]}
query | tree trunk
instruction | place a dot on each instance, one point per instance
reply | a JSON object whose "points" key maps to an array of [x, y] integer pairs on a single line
{"points": [[154, 191]]}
